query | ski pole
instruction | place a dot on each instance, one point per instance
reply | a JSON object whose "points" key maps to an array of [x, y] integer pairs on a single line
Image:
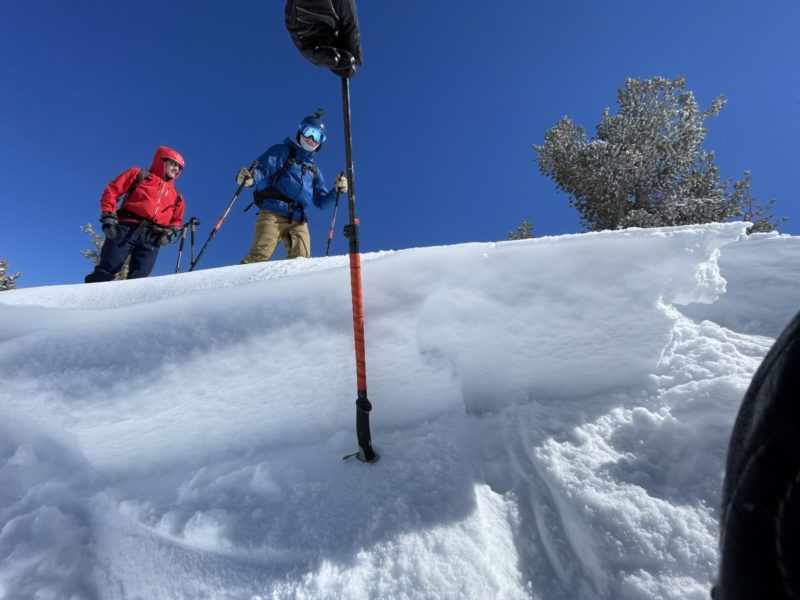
{"points": [[333, 220], [221, 219], [180, 247], [363, 405], [193, 222], [188, 225]]}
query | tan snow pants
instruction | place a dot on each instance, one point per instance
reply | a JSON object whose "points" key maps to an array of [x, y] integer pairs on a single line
{"points": [[272, 228]]}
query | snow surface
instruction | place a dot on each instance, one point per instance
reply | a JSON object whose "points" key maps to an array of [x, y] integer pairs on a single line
{"points": [[552, 414]]}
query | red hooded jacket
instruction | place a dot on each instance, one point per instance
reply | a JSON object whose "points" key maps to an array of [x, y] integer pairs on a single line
{"points": [[154, 199]]}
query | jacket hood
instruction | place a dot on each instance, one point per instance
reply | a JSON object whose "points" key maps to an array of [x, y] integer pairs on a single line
{"points": [[163, 153], [302, 154]]}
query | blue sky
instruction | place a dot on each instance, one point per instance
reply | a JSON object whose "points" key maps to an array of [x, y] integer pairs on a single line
{"points": [[445, 110]]}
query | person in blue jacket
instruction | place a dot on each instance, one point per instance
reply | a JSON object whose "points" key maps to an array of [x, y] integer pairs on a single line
{"points": [[286, 183]]}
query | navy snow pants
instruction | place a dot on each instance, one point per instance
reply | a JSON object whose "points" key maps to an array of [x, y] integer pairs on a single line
{"points": [[134, 239]]}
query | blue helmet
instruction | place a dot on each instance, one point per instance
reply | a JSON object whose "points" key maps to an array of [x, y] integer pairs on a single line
{"points": [[313, 127]]}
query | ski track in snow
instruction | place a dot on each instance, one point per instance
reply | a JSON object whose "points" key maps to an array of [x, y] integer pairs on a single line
{"points": [[552, 425]]}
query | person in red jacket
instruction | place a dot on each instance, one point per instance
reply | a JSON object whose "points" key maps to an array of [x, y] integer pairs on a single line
{"points": [[150, 216]]}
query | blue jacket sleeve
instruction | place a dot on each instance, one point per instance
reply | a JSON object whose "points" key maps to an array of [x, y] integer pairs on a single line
{"points": [[323, 197]]}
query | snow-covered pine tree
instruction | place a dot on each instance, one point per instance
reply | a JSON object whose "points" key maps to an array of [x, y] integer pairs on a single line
{"points": [[94, 254], [700, 197], [523, 232], [7, 282], [757, 214], [645, 167]]}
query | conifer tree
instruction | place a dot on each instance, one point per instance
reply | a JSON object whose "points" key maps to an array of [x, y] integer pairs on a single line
{"points": [[94, 254], [757, 214], [645, 168], [523, 232], [7, 282]]}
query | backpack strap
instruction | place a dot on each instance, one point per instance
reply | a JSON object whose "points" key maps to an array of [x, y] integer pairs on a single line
{"points": [[140, 176], [285, 167], [143, 174], [290, 160], [313, 169]]}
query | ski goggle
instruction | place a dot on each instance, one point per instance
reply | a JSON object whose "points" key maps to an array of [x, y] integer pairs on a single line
{"points": [[315, 133]]}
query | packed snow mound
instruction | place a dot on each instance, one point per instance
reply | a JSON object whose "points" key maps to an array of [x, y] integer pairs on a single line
{"points": [[552, 415], [761, 271]]}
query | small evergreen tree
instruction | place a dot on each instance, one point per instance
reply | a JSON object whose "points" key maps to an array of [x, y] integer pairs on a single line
{"points": [[7, 282], [644, 168], [750, 211], [523, 232], [94, 254]]}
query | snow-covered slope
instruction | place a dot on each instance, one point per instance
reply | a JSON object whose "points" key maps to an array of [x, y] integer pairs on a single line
{"points": [[552, 415]]}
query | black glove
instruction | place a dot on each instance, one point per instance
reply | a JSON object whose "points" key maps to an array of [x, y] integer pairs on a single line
{"points": [[109, 221], [166, 235], [326, 33]]}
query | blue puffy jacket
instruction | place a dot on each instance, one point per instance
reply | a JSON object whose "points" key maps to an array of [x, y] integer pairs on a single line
{"points": [[298, 183]]}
